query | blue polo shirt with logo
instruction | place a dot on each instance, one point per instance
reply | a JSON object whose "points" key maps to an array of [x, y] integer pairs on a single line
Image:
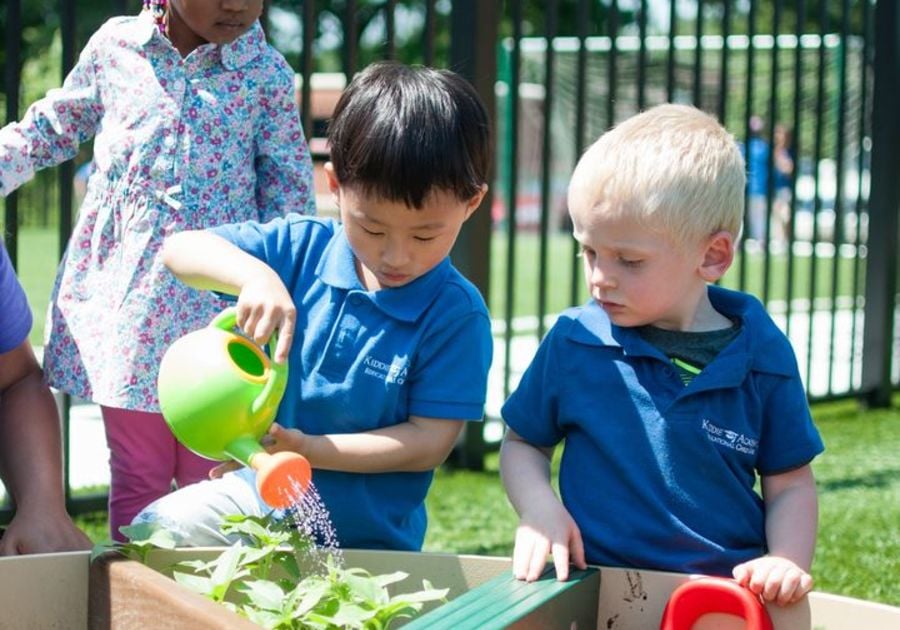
{"points": [[363, 360], [15, 315], [659, 475]]}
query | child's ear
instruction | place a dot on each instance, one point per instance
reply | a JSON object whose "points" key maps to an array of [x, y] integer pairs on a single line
{"points": [[331, 177], [475, 200], [718, 256]]}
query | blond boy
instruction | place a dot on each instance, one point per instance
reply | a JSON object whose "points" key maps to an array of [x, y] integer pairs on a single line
{"points": [[670, 394]]}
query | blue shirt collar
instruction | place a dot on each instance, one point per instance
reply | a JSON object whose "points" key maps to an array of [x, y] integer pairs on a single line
{"points": [[337, 268], [234, 55], [752, 349]]}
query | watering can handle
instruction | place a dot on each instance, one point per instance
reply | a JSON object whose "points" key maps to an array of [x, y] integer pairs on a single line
{"points": [[226, 320]]}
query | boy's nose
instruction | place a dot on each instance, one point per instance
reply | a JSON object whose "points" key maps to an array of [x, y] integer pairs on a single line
{"points": [[235, 5], [395, 254], [600, 278]]}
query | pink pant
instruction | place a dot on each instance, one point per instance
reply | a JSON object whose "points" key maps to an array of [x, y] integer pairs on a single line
{"points": [[144, 459]]}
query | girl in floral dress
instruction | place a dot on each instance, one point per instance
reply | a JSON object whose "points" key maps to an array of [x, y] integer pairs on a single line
{"points": [[194, 125]]}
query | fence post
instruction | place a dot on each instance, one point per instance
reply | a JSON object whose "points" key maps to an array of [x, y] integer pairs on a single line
{"points": [[884, 204], [474, 29], [11, 80]]}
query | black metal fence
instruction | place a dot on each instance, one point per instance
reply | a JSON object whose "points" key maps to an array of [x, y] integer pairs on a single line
{"points": [[558, 73]]}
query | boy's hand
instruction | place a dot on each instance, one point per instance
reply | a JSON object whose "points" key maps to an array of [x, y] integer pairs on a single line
{"points": [[774, 579], [553, 532], [264, 306], [277, 439]]}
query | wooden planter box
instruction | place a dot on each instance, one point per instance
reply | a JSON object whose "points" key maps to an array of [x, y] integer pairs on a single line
{"points": [[65, 591]]}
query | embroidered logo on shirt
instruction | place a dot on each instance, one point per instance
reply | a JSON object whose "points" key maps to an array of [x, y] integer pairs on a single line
{"points": [[394, 372], [730, 439]]}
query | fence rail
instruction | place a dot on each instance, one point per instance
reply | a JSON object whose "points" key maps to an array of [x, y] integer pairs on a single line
{"points": [[830, 72]]}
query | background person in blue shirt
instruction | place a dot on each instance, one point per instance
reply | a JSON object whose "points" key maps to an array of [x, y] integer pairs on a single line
{"points": [[757, 157], [389, 345], [671, 394], [30, 442]]}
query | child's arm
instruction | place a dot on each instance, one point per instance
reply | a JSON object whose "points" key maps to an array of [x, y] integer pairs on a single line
{"points": [[206, 261], [53, 128], [284, 168], [419, 444], [782, 576], [545, 526], [31, 461]]}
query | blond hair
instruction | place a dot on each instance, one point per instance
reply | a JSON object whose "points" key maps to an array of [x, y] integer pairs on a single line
{"points": [[672, 167]]}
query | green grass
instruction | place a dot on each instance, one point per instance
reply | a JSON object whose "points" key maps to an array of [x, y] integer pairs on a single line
{"points": [[38, 256], [858, 476]]}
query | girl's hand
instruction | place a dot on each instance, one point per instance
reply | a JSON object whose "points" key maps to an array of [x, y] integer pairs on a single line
{"points": [[264, 306], [774, 579]]}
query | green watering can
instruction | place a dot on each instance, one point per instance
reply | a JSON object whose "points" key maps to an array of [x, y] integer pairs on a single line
{"points": [[219, 394]]}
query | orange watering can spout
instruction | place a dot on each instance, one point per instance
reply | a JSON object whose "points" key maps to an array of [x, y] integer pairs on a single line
{"points": [[281, 477]]}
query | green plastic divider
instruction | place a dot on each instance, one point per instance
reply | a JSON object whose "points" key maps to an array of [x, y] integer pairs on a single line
{"points": [[497, 603]]}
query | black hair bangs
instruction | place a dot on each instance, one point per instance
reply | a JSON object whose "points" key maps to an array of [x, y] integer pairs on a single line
{"points": [[400, 132]]}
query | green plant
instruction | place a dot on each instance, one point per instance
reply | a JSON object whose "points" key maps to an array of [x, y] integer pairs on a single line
{"points": [[275, 577]]}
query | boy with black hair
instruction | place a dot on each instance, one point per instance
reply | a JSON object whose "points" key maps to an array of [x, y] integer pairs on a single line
{"points": [[393, 344]]}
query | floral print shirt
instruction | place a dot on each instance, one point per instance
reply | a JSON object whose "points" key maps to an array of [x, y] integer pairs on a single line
{"points": [[179, 143]]}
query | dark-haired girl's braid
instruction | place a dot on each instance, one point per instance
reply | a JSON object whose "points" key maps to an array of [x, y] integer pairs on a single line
{"points": [[157, 9]]}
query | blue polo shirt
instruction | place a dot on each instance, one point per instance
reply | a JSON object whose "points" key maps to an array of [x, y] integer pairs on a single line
{"points": [[15, 315], [363, 360], [659, 475]]}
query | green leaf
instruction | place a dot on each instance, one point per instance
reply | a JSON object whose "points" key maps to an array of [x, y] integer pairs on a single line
{"points": [[264, 618], [263, 594], [104, 546], [196, 583], [423, 596], [351, 615], [226, 571], [390, 578], [248, 526], [366, 589], [311, 593], [152, 533]]}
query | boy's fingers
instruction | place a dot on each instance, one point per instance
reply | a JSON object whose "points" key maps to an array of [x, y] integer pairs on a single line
{"points": [[223, 468], [795, 585], [771, 588], [561, 561], [806, 583], [285, 338], [576, 548], [538, 560], [247, 321], [740, 574], [521, 555]]}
